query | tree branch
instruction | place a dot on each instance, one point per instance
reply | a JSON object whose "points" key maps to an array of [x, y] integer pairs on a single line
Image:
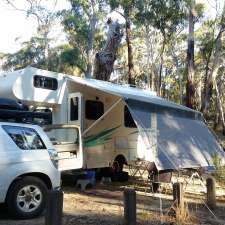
{"points": [[120, 14]]}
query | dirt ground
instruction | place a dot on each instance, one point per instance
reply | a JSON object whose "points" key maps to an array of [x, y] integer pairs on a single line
{"points": [[103, 205]]}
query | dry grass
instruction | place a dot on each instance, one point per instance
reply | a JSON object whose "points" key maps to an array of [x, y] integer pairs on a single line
{"points": [[149, 218], [103, 204], [183, 216]]}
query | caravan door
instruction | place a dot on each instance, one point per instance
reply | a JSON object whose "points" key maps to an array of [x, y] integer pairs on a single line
{"points": [[75, 109], [67, 141]]}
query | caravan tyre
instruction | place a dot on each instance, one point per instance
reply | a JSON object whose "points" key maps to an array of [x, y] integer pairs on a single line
{"points": [[26, 198], [155, 187], [117, 167]]}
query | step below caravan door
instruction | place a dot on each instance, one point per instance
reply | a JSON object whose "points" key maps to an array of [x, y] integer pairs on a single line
{"points": [[75, 109], [66, 140]]}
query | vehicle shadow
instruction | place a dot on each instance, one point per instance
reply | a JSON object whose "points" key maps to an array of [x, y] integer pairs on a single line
{"points": [[6, 218], [3, 212]]}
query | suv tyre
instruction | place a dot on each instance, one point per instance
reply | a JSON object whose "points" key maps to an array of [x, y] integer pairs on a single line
{"points": [[27, 197]]}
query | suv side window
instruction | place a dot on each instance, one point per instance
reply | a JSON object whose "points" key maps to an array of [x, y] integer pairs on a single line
{"points": [[25, 138]]}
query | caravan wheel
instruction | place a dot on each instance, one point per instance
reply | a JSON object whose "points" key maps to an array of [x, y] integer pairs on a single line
{"points": [[118, 163], [117, 167], [154, 187]]}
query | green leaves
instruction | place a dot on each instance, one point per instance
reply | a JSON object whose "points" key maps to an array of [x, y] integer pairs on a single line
{"points": [[82, 26], [163, 15], [32, 53], [71, 57]]}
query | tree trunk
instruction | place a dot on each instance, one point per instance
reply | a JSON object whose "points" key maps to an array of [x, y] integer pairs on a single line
{"points": [[190, 86], [215, 66], [91, 37], [46, 49], [217, 115], [220, 105], [161, 66], [204, 102], [178, 74], [105, 59], [198, 101], [147, 36], [163, 85], [150, 45], [129, 53], [213, 73]]}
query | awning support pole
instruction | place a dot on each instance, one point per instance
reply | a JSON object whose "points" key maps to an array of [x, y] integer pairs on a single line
{"points": [[100, 118]]}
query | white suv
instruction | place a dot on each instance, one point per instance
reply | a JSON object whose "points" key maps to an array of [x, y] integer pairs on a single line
{"points": [[28, 169]]}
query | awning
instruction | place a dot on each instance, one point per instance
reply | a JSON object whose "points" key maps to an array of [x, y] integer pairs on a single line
{"points": [[176, 140], [126, 92]]}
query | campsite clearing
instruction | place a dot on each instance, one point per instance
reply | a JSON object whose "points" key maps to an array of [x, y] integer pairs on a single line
{"points": [[103, 204]]}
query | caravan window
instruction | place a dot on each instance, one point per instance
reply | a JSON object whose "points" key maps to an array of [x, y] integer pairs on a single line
{"points": [[63, 136], [128, 119], [45, 82], [94, 109]]}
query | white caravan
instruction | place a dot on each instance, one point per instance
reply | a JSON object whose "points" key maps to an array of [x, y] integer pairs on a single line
{"points": [[98, 124]]}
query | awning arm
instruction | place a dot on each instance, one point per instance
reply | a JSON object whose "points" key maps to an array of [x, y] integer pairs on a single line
{"points": [[100, 118]]}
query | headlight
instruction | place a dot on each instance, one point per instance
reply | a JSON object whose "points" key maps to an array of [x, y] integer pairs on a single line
{"points": [[54, 157]]}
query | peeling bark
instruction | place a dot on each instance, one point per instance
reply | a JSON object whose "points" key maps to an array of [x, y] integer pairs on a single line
{"points": [[130, 54], [104, 60]]}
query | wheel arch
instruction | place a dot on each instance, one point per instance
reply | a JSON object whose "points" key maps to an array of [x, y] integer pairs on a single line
{"points": [[45, 178], [120, 158]]}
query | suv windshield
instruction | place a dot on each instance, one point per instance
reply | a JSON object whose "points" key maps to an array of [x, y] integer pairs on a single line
{"points": [[24, 137]]}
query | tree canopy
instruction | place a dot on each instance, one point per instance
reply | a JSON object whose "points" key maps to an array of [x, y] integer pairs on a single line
{"points": [[173, 47]]}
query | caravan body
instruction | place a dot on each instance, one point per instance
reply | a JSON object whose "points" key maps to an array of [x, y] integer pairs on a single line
{"points": [[116, 124]]}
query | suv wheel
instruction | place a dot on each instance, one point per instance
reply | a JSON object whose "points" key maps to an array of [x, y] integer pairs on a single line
{"points": [[27, 198]]}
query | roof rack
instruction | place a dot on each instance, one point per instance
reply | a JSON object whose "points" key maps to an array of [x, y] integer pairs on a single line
{"points": [[10, 104], [14, 111]]}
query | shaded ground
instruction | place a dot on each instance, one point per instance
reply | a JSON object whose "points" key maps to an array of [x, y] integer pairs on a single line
{"points": [[103, 205]]}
